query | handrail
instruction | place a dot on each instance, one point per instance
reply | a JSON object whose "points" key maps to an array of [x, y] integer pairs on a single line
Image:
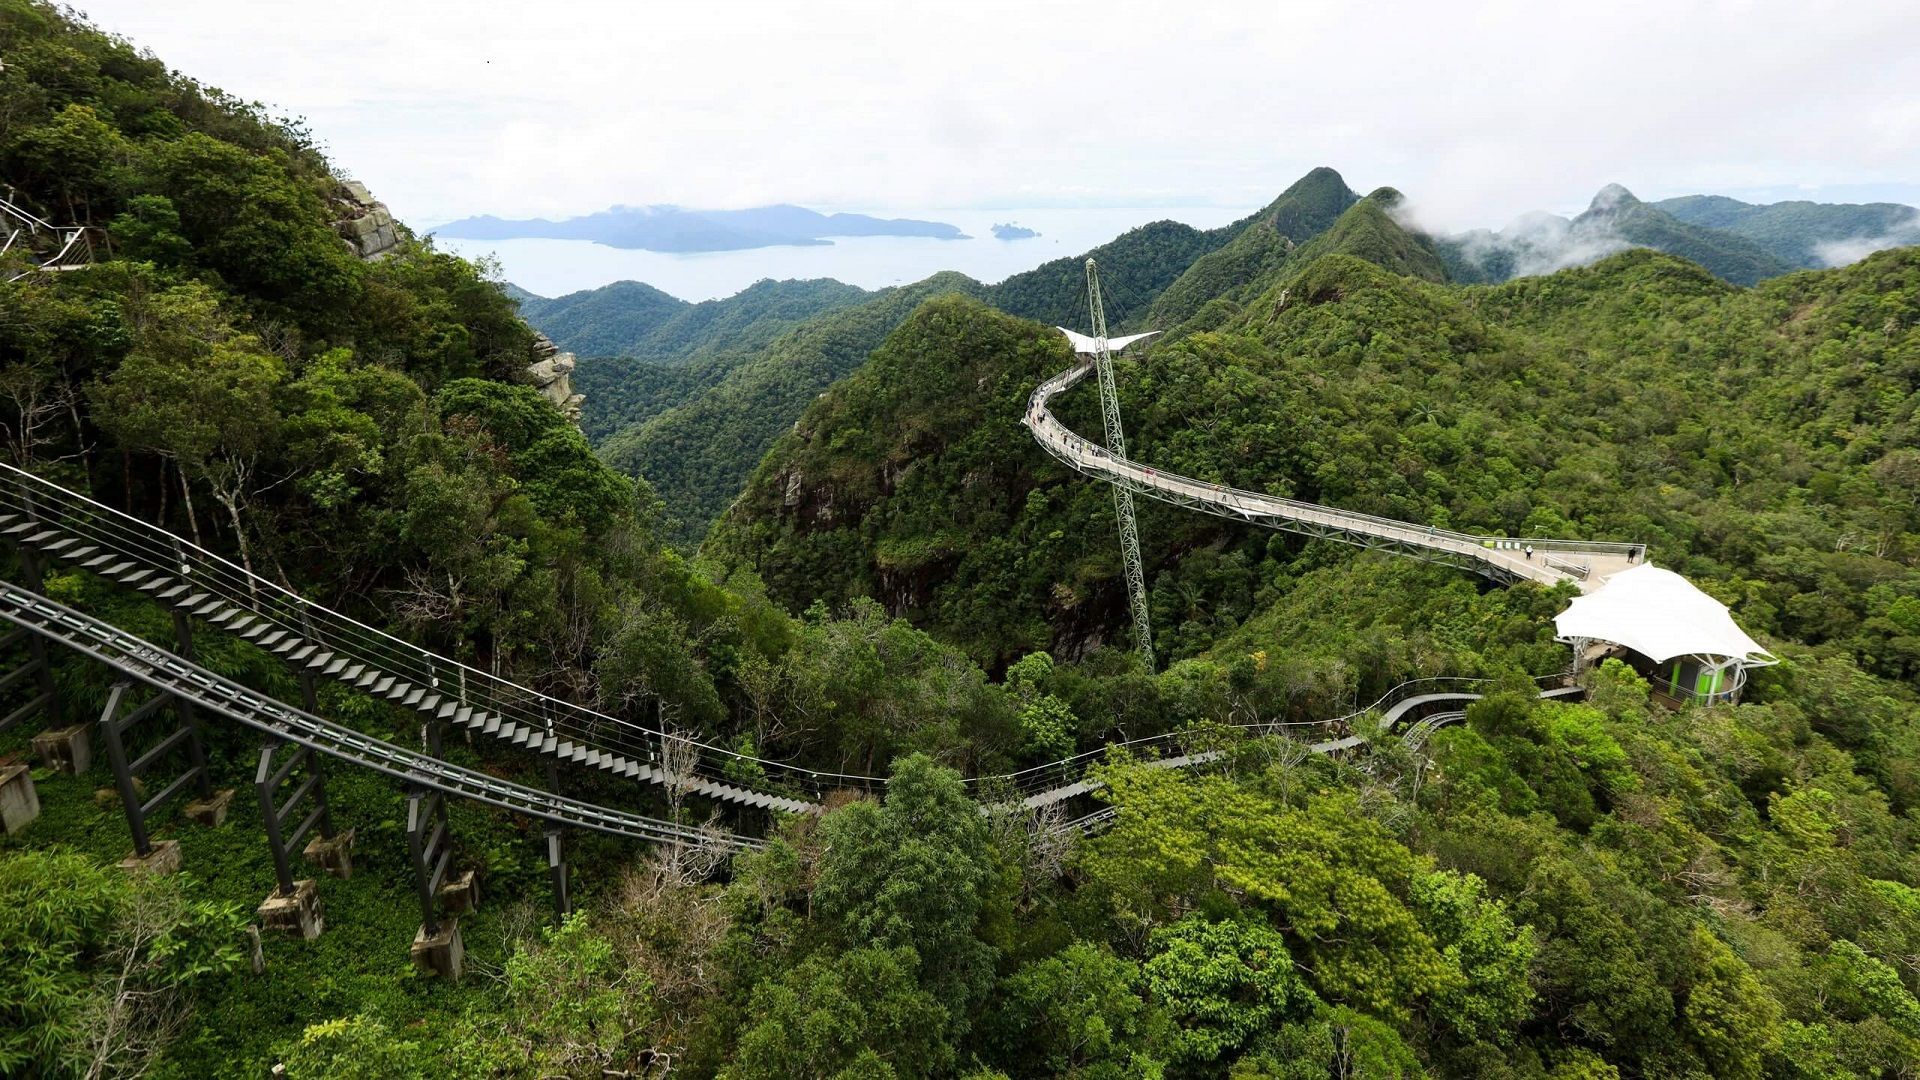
{"points": [[168, 673], [10, 207], [151, 545], [1062, 441]]}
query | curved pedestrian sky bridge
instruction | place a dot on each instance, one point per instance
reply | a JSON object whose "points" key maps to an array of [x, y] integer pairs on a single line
{"points": [[1655, 614]]}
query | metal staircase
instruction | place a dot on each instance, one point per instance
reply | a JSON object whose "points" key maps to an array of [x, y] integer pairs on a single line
{"points": [[67, 527], [167, 673]]}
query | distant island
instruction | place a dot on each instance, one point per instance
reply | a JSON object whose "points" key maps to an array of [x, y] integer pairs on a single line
{"points": [[1011, 231], [676, 229]]}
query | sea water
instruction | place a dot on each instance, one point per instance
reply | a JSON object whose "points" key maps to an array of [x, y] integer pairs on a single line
{"points": [[557, 267]]}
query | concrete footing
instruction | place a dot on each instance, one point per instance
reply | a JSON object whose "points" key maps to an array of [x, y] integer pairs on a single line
{"points": [[212, 810], [440, 954], [297, 912], [462, 894], [256, 953], [163, 859], [19, 800], [68, 749], [334, 855]]}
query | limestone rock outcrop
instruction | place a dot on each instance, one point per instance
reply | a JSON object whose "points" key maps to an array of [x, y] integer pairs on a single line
{"points": [[365, 223], [552, 374]]}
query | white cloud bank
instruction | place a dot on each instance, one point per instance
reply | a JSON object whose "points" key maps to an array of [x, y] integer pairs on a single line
{"points": [[456, 107], [1853, 249]]}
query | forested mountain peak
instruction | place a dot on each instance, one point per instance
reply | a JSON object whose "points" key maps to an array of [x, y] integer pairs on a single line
{"points": [[1255, 248]]}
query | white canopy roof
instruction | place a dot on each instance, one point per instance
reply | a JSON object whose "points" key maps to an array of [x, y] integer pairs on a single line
{"points": [[1091, 345], [1660, 615]]}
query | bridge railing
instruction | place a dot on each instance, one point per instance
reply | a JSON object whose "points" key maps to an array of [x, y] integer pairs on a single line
{"points": [[1145, 480], [152, 547], [1059, 776], [173, 674]]}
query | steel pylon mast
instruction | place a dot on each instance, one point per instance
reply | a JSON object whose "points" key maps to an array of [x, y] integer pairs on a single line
{"points": [[1122, 496]]}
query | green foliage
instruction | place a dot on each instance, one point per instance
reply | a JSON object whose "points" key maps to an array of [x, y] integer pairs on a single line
{"points": [[859, 1014], [1080, 1014], [1221, 983], [912, 873], [352, 1048], [572, 1004], [1729, 1018], [98, 962]]}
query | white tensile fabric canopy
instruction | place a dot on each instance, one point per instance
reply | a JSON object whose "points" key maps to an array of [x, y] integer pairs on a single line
{"points": [[1091, 345], [1660, 615]]}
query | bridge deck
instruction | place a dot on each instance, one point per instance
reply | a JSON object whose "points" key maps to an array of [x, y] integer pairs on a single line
{"points": [[1503, 558]]}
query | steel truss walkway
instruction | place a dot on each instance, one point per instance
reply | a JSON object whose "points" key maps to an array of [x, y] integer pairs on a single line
{"points": [[1504, 559], [63, 525], [25, 232], [168, 673]]}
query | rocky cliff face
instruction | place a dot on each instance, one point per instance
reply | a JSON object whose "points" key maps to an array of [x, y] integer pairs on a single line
{"points": [[369, 229], [552, 374], [365, 223]]}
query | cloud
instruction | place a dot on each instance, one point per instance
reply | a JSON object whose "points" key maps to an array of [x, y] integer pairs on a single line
{"points": [[1854, 248], [448, 108], [1533, 243]]}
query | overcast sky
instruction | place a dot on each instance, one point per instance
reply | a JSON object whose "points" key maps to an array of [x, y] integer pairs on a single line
{"points": [[1476, 110]]}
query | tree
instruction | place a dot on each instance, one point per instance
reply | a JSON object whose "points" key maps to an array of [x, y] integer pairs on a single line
{"points": [[858, 1014], [913, 872], [1479, 939], [79, 155], [353, 1048], [1080, 1013], [574, 1005], [102, 966], [1221, 984], [1730, 1019], [195, 390]]}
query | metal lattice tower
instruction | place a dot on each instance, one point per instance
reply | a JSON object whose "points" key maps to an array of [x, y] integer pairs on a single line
{"points": [[1122, 496]]}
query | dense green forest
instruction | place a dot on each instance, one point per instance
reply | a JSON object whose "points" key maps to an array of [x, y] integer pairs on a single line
{"points": [[695, 427], [1797, 231], [908, 587], [690, 396], [1613, 221]]}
